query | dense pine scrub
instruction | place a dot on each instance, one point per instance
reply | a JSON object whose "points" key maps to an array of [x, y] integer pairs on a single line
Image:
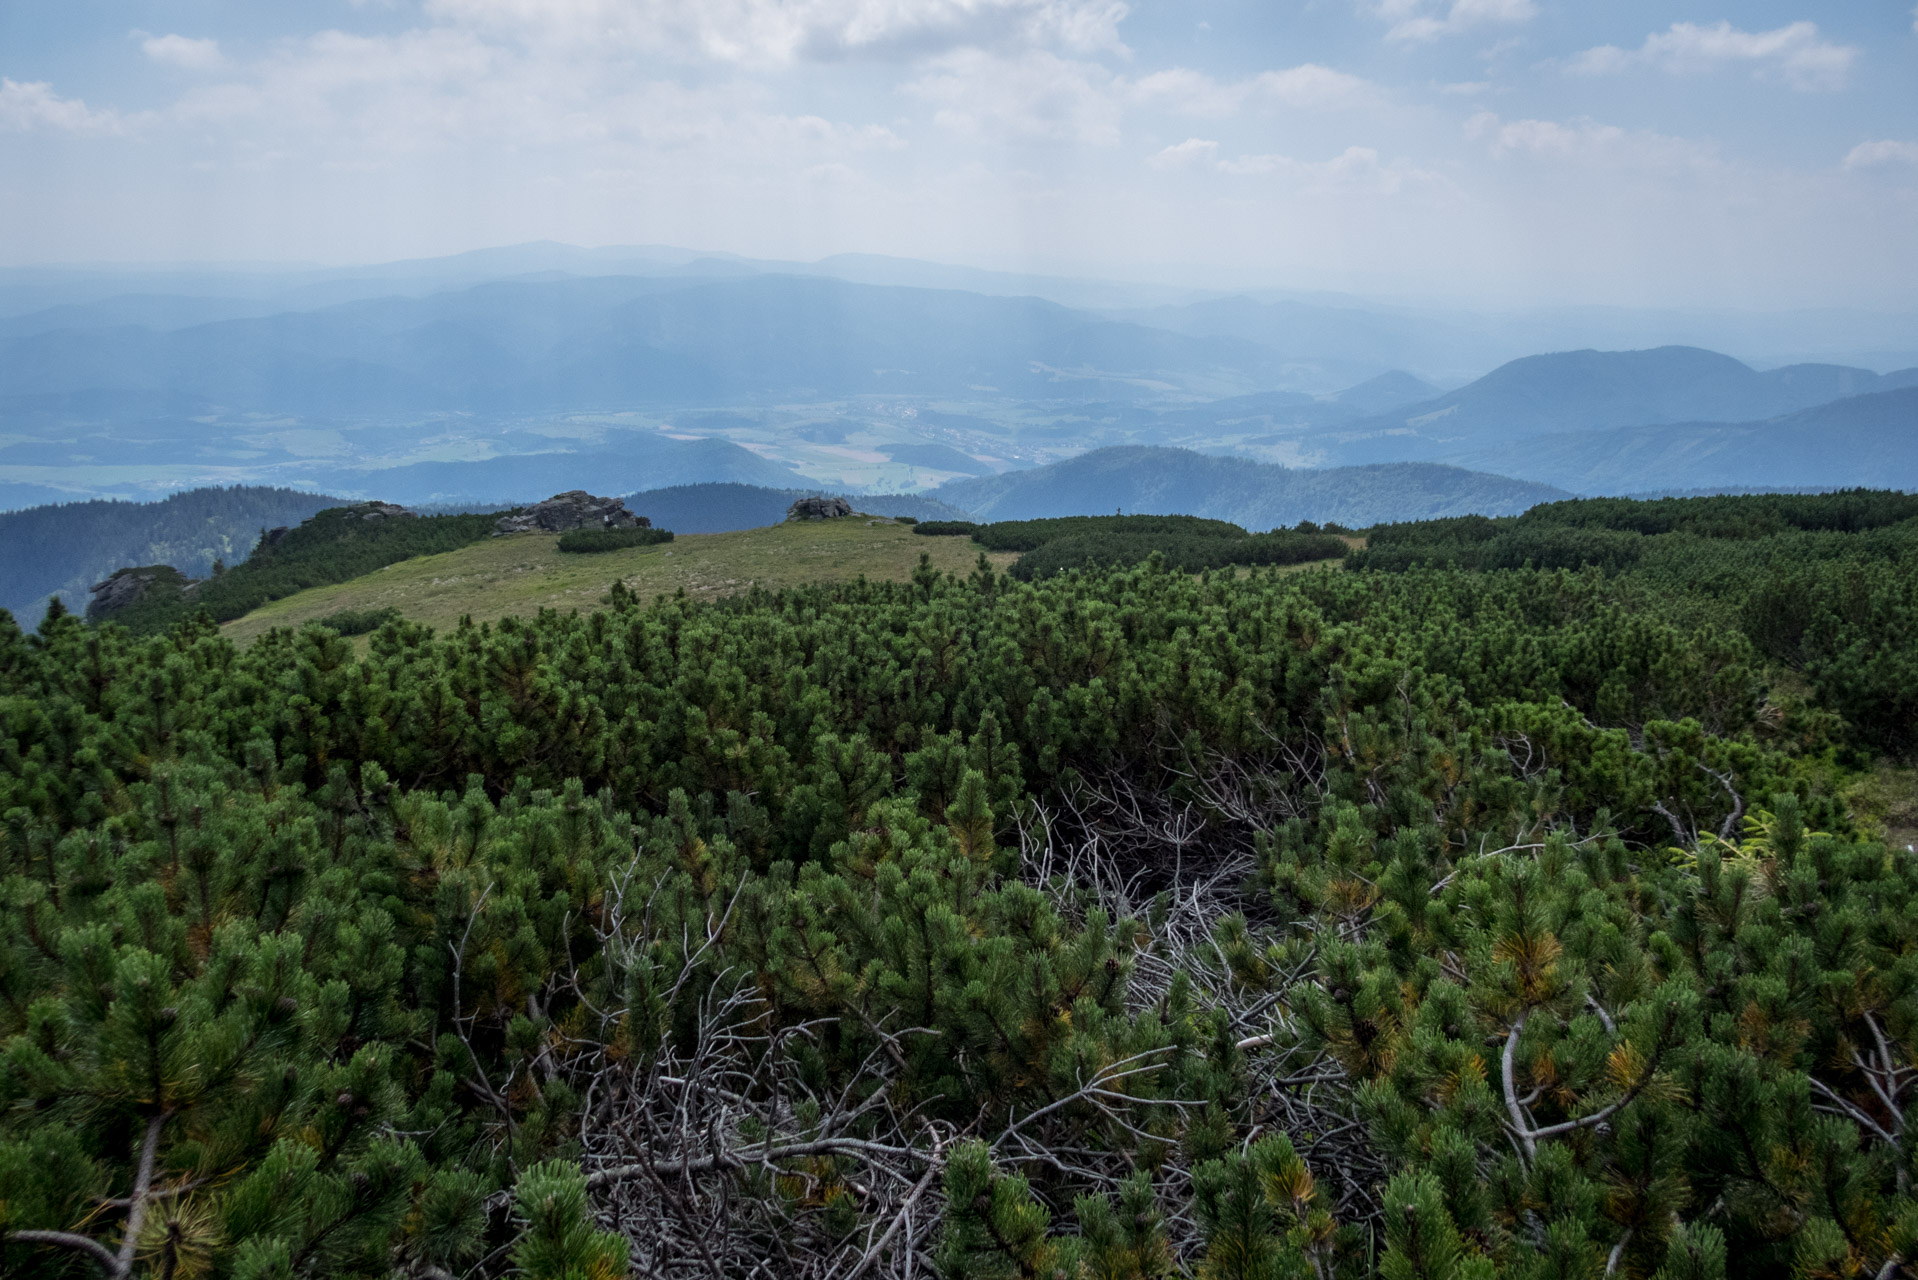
{"points": [[358, 622], [1189, 554], [1128, 922], [1820, 584], [336, 545], [1030, 535], [590, 541], [1188, 543]]}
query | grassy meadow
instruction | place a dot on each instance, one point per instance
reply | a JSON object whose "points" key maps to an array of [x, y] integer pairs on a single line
{"points": [[523, 573]]}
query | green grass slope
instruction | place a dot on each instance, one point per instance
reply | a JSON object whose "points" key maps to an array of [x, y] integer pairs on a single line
{"points": [[520, 575]]}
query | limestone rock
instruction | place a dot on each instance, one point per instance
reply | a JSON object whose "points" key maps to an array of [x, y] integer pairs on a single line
{"points": [[819, 509], [576, 509], [130, 586]]}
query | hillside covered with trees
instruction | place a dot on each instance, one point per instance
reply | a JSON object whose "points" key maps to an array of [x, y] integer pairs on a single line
{"points": [[64, 549], [1526, 898], [335, 545]]}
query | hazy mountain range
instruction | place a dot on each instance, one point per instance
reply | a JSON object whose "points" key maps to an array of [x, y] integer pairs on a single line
{"points": [[1867, 441], [616, 342], [1446, 340], [1590, 390], [505, 375]]}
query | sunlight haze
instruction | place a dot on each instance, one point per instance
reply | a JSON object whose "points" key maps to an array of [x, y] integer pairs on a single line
{"points": [[1504, 151]]}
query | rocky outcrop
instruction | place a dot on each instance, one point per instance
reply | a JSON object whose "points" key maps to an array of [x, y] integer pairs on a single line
{"points": [[819, 509], [130, 586], [577, 509], [373, 512], [379, 511]]}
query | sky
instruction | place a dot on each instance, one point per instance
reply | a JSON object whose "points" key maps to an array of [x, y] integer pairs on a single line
{"points": [[1759, 154]]}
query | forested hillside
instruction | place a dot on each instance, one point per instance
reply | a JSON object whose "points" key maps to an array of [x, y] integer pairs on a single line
{"points": [[1529, 898], [67, 548], [335, 545]]}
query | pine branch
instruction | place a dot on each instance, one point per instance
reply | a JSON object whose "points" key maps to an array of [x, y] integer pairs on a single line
{"points": [[70, 1240], [137, 1207], [734, 1160], [878, 1248]]}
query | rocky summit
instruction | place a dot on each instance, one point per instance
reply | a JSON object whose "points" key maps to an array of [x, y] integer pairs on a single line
{"points": [[130, 586], [819, 509], [576, 509]]}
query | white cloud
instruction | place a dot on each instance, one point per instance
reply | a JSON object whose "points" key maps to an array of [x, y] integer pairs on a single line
{"points": [[1538, 136], [760, 32], [364, 103], [1313, 86], [1870, 155], [1181, 154], [1035, 97], [33, 105], [1794, 53], [1423, 20], [1039, 95], [1308, 86], [184, 52], [1354, 171], [1588, 142]]}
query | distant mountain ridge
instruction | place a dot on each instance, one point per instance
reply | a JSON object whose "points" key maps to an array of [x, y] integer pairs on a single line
{"points": [[1867, 440], [132, 381], [626, 340], [633, 461], [1258, 496], [1576, 391]]}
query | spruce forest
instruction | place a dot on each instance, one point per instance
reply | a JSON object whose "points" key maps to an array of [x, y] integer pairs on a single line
{"points": [[1528, 897]]}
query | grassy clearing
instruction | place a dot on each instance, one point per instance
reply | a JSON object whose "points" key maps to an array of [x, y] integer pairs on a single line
{"points": [[524, 573]]}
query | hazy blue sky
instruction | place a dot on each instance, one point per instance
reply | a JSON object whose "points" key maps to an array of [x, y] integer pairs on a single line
{"points": [[1760, 152]]}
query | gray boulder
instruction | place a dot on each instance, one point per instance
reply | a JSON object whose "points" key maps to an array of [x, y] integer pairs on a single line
{"points": [[819, 509], [380, 511], [132, 585], [576, 509]]}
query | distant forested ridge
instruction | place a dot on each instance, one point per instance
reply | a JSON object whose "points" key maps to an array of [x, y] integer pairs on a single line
{"points": [[1255, 495], [62, 550], [335, 545], [1447, 916]]}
